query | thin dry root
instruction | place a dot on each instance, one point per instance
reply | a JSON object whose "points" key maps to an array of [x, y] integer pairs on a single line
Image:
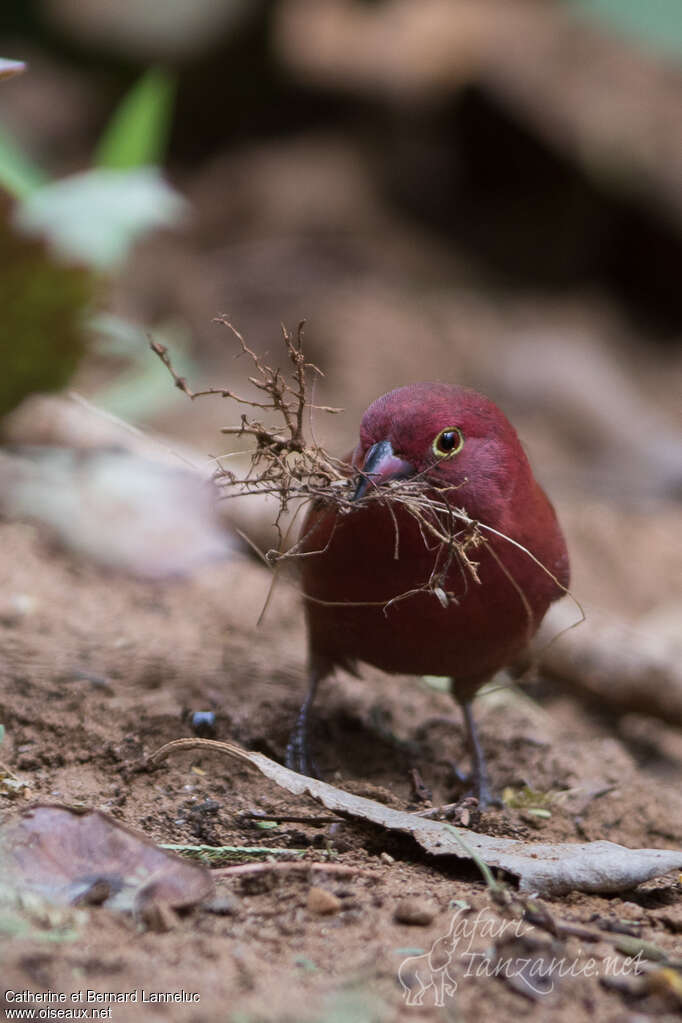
{"points": [[286, 465]]}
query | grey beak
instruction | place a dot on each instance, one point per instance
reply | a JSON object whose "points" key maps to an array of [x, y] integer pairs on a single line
{"points": [[380, 466]]}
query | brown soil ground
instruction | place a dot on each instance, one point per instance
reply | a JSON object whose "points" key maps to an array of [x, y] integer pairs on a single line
{"points": [[97, 670], [100, 670]]}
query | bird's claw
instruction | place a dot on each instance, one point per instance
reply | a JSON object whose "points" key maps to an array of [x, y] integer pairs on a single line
{"points": [[476, 784]]}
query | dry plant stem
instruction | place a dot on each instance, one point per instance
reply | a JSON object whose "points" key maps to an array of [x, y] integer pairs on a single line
{"points": [[436, 813], [288, 818], [282, 463], [291, 867], [230, 850], [539, 916], [615, 665]]}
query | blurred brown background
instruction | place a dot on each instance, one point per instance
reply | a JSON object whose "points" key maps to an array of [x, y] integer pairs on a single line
{"points": [[486, 193]]}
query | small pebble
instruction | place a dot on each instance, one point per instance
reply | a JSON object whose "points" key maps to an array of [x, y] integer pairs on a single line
{"points": [[16, 607], [222, 905], [158, 917], [322, 902], [203, 723], [386, 858], [96, 894], [417, 912]]}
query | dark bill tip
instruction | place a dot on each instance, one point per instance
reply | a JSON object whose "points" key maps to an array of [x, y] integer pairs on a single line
{"points": [[380, 466]]}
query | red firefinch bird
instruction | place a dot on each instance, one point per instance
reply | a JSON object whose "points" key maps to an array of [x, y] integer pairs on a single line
{"points": [[380, 588]]}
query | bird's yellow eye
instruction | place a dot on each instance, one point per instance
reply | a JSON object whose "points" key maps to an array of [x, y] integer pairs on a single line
{"points": [[449, 441]]}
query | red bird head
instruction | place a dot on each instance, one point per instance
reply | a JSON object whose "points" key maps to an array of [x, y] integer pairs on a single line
{"points": [[447, 435]]}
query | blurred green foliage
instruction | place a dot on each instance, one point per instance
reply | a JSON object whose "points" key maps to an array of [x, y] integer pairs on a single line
{"points": [[137, 134], [94, 218], [18, 175], [656, 22], [138, 389], [43, 304], [60, 240]]}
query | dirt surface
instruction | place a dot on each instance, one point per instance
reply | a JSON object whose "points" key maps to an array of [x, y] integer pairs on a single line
{"points": [[100, 670]]}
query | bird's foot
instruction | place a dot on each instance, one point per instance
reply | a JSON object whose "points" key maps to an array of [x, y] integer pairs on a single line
{"points": [[298, 757], [477, 784]]}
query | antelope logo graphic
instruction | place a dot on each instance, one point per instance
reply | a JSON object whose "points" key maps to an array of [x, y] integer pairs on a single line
{"points": [[418, 973]]}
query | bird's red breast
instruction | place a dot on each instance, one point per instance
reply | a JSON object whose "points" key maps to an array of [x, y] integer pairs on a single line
{"points": [[367, 567]]}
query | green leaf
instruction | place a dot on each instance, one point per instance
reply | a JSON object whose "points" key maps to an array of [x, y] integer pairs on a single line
{"points": [[305, 964], [95, 217], [43, 306], [18, 175], [138, 131], [656, 23], [142, 389], [439, 682]]}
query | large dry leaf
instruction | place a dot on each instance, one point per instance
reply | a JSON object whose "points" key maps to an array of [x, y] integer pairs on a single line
{"points": [[151, 520], [542, 867], [70, 856]]}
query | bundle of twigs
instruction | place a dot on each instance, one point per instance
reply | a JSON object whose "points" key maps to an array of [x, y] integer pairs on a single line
{"points": [[294, 469]]}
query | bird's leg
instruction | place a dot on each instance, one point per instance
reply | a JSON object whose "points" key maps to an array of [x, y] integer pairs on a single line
{"points": [[480, 782], [298, 756], [479, 768]]}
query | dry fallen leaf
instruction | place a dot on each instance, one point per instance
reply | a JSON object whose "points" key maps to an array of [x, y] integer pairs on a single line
{"points": [[73, 856], [542, 867], [137, 516]]}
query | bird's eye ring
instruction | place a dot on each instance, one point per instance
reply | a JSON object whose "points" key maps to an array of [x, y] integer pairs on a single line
{"points": [[449, 442]]}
